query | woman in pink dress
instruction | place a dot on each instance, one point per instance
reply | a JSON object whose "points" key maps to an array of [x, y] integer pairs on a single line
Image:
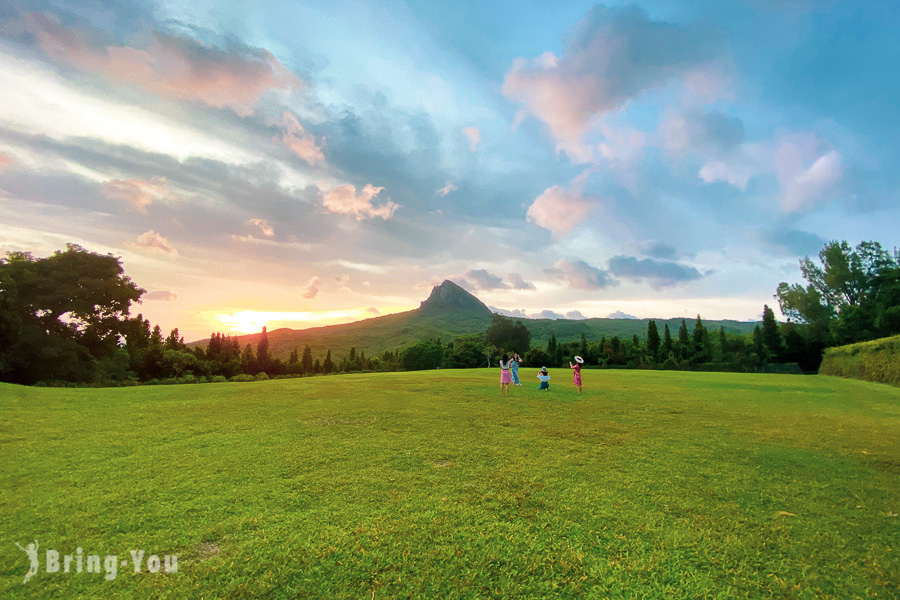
{"points": [[576, 371], [505, 375]]}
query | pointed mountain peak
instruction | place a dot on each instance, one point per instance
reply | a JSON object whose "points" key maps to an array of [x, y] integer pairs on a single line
{"points": [[451, 294]]}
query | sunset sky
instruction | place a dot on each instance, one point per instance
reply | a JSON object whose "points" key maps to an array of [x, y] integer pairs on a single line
{"points": [[292, 163]]}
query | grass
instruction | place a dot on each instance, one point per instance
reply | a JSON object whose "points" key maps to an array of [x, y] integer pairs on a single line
{"points": [[427, 485]]}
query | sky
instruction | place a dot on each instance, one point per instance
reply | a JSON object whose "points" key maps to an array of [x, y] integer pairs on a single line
{"points": [[295, 163]]}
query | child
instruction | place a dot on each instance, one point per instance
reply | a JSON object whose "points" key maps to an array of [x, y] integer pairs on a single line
{"points": [[576, 371], [505, 376], [545, 379]]}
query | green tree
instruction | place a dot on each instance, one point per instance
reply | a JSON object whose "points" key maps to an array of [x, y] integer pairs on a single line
{"points": [[668, 345], [328, 363], [653, 340], [425, 354], [466, 352], [511, 337], [248, 361], [771, 334], [307, 361], [263, 359], [61, 314], [684, 342]]}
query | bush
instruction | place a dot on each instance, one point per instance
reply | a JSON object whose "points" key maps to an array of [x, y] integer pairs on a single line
{"points": [[241, 377], [261, 377], [217, 379], [878, 360]]}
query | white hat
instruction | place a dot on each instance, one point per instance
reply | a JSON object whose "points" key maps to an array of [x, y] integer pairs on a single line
{"points": [[579, 360]]}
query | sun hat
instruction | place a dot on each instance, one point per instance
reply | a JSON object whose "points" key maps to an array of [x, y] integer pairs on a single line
{"points": [[543, 368], [579, 360]]}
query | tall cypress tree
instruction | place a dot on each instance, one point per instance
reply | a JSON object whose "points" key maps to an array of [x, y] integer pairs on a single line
{"points": [[653, 338], [771, 334], [328, 365], [307, 361], [263, 359], [684, 341]]}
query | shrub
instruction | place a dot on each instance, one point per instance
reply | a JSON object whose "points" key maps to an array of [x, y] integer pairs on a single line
{"points": [[217, 379], [878, 360], [242, 377], [261, 377]]}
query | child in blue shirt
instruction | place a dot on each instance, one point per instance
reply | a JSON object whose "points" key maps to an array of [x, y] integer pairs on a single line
{"points": [[545, 379]]}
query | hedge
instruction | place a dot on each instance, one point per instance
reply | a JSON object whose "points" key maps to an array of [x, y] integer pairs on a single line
{"points": [[878, 360]]}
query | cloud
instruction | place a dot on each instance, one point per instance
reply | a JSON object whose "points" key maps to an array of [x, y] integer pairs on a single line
{"points": [[373, 310], [807, 174], [575, 315], [517, 283], [737, 173], [515, 314], [792, 241], [695, 130], [474, 137], [548, 314], [312, 288], [580, 275], [620, 315], [343, 199], [658, 273], [5, 160], [448, 187], [613, 56], [162, 296], [235, 76], [154, 242], [298, 141], [137, 192], [480, 279], [560, 210], [263, 225], [342, 279], [656, 249]]}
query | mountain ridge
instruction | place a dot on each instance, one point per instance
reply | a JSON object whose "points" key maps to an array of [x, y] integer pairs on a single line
{"points": [[448, 312]]}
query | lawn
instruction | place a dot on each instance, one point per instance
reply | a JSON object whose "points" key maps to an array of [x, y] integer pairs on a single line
{"points": [[432, 485]]}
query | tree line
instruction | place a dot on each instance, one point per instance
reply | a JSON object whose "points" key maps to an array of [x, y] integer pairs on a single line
{"points": [[65, 318]]}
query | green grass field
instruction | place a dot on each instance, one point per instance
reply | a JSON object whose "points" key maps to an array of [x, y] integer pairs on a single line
{"points": [[432, 485]]}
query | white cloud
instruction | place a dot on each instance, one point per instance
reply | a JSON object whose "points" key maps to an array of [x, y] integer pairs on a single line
{"points": [[154, 242], [474, 137], [298, 141], [581, 276], [560, 210], [263, 225], [137, 192], [343, 199], [448, 187], [312, 288]]}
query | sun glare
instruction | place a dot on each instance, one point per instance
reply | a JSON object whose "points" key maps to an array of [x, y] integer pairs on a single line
{"points": [[252, 321]]}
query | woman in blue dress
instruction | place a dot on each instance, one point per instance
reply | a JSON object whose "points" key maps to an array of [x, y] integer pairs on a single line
{"points": [[514, 368]]}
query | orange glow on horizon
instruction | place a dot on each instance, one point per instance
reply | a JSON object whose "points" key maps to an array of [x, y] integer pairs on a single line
{"points": [[252, 321]]}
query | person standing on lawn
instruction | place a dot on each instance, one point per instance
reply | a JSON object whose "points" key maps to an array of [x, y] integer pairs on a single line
{"points": [[505, 376], [514, 368], [576, 371]]}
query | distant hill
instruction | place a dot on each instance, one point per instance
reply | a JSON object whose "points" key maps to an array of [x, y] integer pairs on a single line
{"points": [[450, 311]]}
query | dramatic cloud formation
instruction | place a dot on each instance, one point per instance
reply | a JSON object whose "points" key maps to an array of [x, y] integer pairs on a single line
{"points": [[517, 283], [658, 273], [614, 55], [560, 210], [448, 187], [474, 137], [344, 200], [137, 192], [161, 296], [312, 288], [154, 242], [263, 226], [234, 77], [298, 141], [580, 276]]}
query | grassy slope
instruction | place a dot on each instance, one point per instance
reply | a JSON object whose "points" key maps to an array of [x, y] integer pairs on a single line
{"points": [[652, 484], [390, 332]]}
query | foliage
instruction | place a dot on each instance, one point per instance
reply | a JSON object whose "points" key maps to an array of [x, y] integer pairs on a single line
{"points": [[876, 360], [507, 336], [465, 352], [427, 354]]}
